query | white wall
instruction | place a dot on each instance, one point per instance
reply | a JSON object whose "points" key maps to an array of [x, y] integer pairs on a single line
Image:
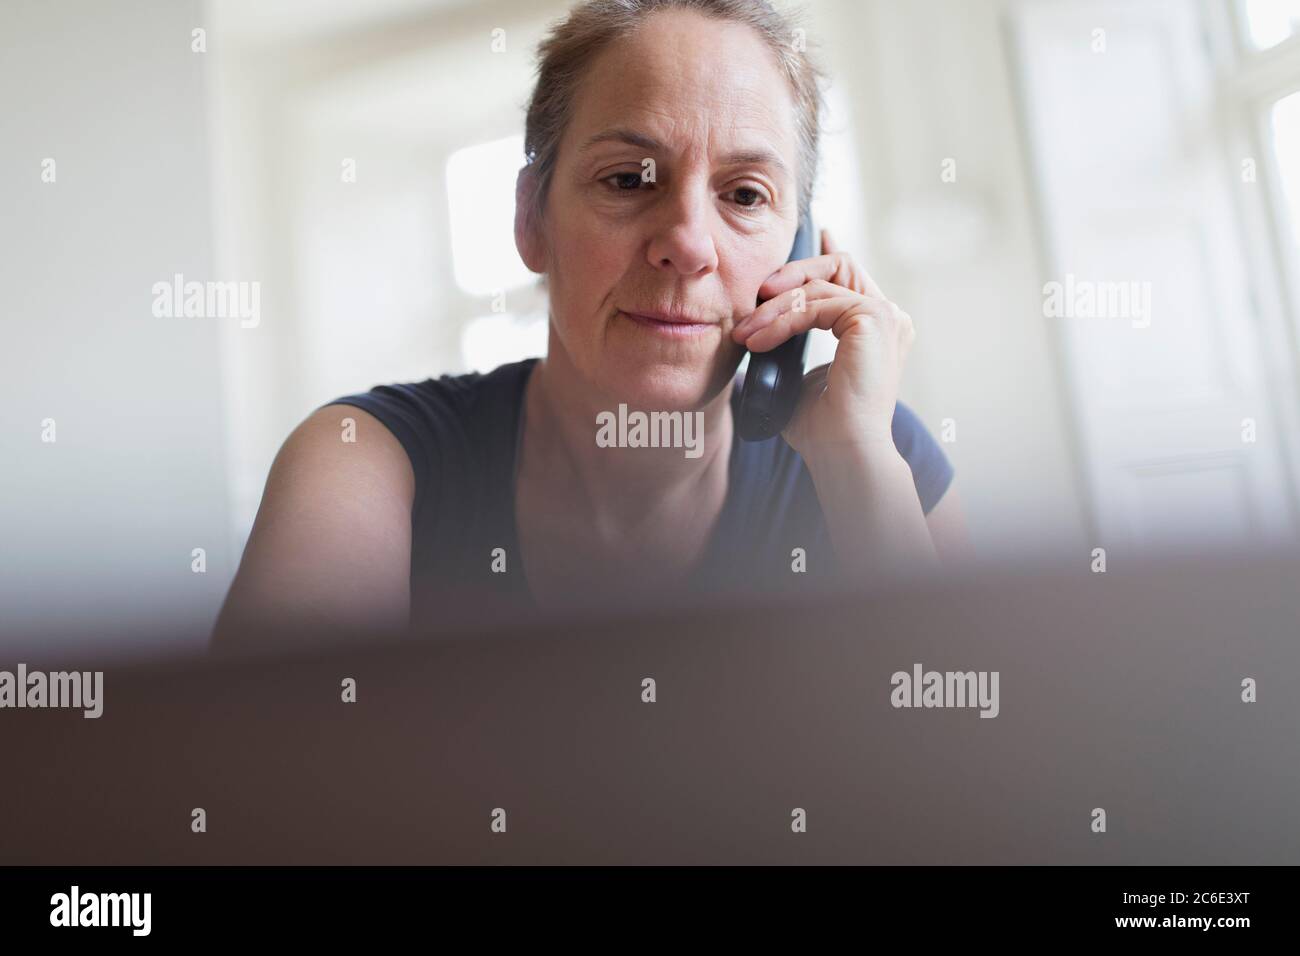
{"points": [[357, 276], [98, 526]]}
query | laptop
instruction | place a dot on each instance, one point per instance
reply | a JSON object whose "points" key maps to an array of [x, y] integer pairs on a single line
{"points": [[1003, 716]]}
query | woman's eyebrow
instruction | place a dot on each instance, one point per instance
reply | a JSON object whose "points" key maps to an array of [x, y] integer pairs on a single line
{"points": [[754, 157], [619, 134]]}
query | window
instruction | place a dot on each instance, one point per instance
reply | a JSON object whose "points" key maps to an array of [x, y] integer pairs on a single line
{"points": [[1136, 181], [1286, 153], [481, 204], [1269, 22], [1262, 83], [492, 340]]}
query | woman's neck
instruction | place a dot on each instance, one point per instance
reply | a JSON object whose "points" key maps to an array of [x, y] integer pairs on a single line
{"points": [[616, 487]]}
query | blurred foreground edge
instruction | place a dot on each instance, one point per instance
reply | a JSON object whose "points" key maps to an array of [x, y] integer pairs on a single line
{"points": [[1122, 692]]}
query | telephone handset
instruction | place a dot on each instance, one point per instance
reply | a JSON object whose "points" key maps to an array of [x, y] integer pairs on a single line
{"points": [[775, 378]]}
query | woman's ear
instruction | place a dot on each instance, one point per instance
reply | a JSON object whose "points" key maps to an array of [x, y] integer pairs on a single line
{"points": [[528, 231]]}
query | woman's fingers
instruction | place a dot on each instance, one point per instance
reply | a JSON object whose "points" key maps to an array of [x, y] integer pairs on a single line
{"points": [[829, 291], [835, 267], [824, 306], [792, 299], [822, 314]]}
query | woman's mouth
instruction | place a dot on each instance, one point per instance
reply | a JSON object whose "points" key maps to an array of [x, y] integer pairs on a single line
{"points": [[670, 324]]}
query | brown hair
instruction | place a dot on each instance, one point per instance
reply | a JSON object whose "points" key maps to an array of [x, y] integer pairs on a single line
{"points": [[571, 45]]}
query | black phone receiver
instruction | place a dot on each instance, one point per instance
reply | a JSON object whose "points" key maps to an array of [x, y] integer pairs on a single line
{"points": [[775, 378]]}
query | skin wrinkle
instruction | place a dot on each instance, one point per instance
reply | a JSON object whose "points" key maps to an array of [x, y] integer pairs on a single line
{"points": [[743, 92]]}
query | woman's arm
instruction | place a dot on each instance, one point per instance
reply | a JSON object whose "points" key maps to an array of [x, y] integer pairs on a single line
{"points": [[872, 511], [843, 425], [875, 520], [331, 544], [947, 523]]}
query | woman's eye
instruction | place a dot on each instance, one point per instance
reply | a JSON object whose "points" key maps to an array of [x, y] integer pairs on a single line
{"points": [[625, 182], [748, 198]]}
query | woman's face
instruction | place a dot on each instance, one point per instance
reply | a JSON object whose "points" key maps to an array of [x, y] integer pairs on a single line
{"points": [[705, 101]]}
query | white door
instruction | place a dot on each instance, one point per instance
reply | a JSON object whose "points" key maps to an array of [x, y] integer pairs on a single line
{"points": [[1159, 342]]}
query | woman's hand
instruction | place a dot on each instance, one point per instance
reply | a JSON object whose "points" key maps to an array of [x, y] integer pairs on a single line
{"points": [[843, 425], [848, 405]]}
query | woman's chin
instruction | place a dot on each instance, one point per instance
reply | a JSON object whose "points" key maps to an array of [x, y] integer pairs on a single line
{"points": [[663, 385]]}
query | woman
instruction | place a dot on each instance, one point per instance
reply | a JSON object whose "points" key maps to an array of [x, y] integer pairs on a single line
{"points": [[446, 499]]}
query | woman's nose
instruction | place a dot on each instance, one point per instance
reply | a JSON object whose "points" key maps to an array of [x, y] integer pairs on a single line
{"points": [[683, 240]]}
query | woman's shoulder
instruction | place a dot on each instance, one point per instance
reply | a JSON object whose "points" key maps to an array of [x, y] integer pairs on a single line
{"points": [[434, 398], [443, 420], [417, 411]]}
